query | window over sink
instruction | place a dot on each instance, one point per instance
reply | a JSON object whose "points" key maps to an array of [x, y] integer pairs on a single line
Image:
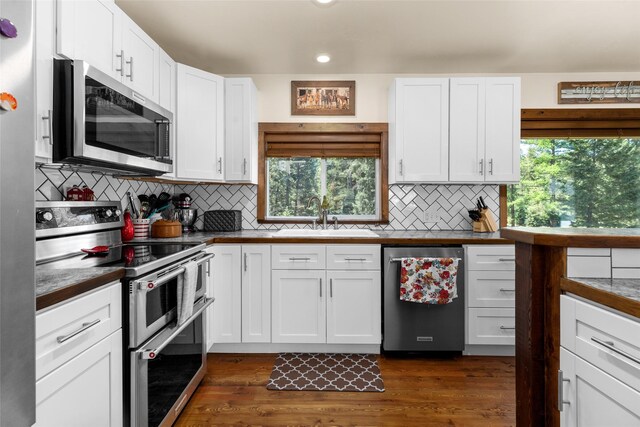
{"points": [[343, 161]]}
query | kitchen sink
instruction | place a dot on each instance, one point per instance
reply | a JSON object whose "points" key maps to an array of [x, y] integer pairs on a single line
{"points": [[294, 232]]}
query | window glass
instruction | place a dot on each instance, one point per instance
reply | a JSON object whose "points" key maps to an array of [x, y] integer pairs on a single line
{"points": [[578, 182], [348, 183]]}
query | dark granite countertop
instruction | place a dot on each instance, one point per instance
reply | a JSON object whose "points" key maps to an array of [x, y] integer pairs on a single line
{"points": [[56, 285], [418, 237], [620, 294]]}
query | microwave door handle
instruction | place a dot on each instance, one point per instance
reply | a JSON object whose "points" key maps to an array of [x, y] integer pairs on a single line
{"points": [[151, 353], [148, 285]]}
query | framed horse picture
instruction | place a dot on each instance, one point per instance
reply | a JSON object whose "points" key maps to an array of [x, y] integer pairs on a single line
{"points": [[323, 98]]}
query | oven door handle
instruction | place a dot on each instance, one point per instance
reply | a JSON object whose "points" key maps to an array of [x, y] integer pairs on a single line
{"points": [[151, 353], [148, 285]]}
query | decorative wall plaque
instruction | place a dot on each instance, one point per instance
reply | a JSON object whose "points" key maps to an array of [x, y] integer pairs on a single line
{"points": [[615, 92]]}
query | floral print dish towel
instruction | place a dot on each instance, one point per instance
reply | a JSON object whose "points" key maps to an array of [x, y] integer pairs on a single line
{"points": [[428, 280]]}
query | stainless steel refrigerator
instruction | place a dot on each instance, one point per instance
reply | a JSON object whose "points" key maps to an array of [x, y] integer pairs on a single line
{"points": [[17, 229]]}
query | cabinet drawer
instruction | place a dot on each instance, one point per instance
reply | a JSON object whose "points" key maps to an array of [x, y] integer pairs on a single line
{"points": [[93, 316], [353, 257], [491, 288], [492, 326], [498, 257], [606, 339], [298, 257]]}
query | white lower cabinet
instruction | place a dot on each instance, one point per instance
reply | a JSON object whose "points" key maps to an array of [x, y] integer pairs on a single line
{"points": [[86, 391], [353, 313], [299, 306], [223, 317], [256, 293], [599, 378], [79, 361]]}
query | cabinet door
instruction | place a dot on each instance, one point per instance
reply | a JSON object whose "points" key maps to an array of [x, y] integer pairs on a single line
{"points": [[422, 130], [502, 147], [91, 30], [594, 398], [256, 293], [86, 391], [491, 288], [225, 285], [466, 130], [353, 307], [45, 29], [241, 130], [167, 81], [299, 306], [141, 59], [199, 150]]}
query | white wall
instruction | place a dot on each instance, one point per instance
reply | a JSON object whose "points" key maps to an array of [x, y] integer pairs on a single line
{"points": [[538, 91]]}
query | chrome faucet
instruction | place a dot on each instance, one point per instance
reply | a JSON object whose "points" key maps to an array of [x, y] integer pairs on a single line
{"points": [[322, 210]]}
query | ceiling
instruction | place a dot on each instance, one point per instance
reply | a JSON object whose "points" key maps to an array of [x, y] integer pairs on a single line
{"points": [[394, 36]]}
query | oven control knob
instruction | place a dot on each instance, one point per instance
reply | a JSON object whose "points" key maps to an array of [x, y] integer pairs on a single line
{"points": [[105, 213], [118, 212], [43, 216]]}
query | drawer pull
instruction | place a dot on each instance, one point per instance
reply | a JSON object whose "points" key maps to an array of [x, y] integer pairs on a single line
{"points": [[611, 346], [506, 259], [299, 259], [84, 327], [507, 290], [561, 381], [507, 327], [355, 259]]}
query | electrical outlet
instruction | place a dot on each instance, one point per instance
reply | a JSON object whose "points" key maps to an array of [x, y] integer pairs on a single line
{"points": [[432, 215]]}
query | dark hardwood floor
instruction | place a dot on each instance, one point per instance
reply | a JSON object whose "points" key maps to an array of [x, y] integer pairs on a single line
{"points": [[420, 391]]}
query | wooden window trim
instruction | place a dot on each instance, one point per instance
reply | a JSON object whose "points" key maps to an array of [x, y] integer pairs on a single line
{"points": [[573, 122], [331, 139]]}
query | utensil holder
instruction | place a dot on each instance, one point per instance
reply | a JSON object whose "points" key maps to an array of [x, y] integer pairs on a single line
{"points": [[486, 224], [141, 228]]}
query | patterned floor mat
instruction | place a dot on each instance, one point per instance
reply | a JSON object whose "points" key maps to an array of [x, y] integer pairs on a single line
{"points": [[326, 372]]}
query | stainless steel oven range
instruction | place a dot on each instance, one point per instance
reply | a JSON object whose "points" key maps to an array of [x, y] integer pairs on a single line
{"points": [[164, 362]]}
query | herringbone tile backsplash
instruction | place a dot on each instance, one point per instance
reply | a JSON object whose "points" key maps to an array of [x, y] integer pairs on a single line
{"points": [[406, 202]]}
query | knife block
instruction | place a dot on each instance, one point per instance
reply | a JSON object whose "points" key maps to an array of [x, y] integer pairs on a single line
{"points": [[486, 224]]}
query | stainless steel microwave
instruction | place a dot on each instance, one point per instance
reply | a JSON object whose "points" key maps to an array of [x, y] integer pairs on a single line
{"points": [[100, 122]]}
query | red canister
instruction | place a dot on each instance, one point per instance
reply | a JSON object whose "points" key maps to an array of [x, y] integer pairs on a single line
{"points": [[75, 194]]}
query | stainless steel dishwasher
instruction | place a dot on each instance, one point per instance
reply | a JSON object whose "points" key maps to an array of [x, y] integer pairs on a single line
{"points": [[410, 326]]}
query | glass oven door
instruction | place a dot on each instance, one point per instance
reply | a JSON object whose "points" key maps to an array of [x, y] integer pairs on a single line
{"points": [[167, 369], [153, 299]]}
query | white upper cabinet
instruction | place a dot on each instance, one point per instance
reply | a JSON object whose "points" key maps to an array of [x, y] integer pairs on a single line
{"points": [[141, 61], [484, 129], [467, 130], [45, 52], [167, 81], [502, 149], [241, 130], [200, 125], [91, 30], [419, 130]]}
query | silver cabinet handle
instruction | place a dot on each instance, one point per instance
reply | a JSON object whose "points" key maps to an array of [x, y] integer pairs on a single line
{"points": [[49, 119], [355, 259], [299, 259], [490, 166], [506, 259], [331, 288], [245, 261], [561, 381], [507, 327], [507, 290], [121, 56], [219, 164], [401, 172], [244, 167], [320, 288], [481, 166], [84, 327], [611, 346], [130, 62]]}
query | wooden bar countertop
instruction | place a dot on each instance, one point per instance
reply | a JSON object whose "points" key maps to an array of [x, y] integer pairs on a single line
{"points": [[575, 237]]}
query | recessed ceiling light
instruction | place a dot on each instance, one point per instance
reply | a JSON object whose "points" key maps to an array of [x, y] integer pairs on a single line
{"points": [[324, 2], [323, 58]]}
